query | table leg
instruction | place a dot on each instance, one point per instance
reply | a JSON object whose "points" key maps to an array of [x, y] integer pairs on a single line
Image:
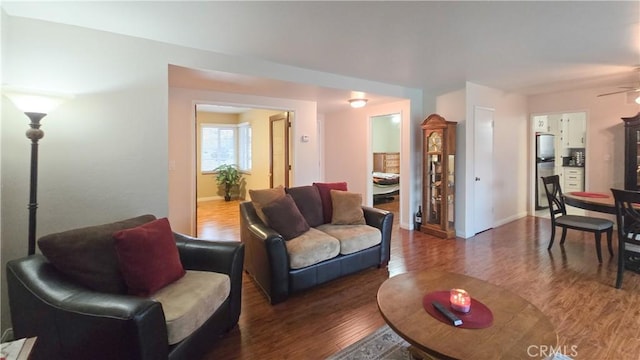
{"points": [[418, 354]]}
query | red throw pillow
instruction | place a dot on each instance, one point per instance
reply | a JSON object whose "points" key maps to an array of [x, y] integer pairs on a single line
{"points": [[325, 196], [148, 257]]}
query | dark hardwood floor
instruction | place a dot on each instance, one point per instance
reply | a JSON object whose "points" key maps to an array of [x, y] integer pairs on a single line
{"points": [[593, 319]]}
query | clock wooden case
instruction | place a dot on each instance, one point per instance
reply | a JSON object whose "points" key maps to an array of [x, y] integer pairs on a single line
{"points": [[438, 176]]}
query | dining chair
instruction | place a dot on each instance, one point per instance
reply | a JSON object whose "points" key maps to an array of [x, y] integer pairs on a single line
{"points": [[560, 218], [628, 219]]}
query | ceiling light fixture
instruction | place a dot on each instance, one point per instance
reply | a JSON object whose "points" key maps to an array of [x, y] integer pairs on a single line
{"points": [[357, 103], [638, 100]]}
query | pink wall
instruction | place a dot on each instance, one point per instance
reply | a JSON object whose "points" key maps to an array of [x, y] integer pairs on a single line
{"points": [[604, 166], [348, 155]]}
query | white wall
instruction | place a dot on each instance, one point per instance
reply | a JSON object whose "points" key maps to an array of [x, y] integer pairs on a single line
{"points": [[385, 134], [510, 184], [103, 156], [604, 163], [348, 154], [119, 148], [306, 162], [605, 130]]}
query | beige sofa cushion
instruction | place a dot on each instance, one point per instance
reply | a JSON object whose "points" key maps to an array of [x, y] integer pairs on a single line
{"points": [[353, 238], [190, 301], [311, 248]]}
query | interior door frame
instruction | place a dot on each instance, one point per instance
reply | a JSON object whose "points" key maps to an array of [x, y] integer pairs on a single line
{"points": [[287, 128], [369, 189]]}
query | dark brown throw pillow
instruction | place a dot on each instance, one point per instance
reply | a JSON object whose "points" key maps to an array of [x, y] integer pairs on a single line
{"points": [[307, 199], [261, 198], [88, 256], [325, 195], [285, 218], [148, 256]]}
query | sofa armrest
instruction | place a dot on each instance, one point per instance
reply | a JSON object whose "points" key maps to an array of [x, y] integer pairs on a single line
{"points": [[69, 319], [267, 260], [225, 257], [382, 220]]}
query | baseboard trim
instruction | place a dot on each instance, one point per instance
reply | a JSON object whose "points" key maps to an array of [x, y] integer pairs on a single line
{"points": [[210, 198]]}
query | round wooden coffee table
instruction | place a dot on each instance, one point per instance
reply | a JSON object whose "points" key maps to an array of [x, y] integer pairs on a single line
{"points": [[519, 330]]}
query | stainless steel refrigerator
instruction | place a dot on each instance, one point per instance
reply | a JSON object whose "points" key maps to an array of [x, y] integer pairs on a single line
{"points": [[545, 166]]}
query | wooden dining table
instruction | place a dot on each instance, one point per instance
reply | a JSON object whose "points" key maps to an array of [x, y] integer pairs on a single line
{"points": [[594, 201], [604, 203]]}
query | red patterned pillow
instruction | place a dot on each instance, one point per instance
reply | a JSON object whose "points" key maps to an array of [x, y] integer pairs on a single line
{"points": [[325, 196], [148, 257]]}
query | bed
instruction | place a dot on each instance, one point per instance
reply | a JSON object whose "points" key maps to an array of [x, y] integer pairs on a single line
{"points": [[385, 186]]}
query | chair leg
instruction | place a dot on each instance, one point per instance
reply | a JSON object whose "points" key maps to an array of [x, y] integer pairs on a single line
{"points": [[564, 236], [620, 264], [553, 236], [598, 249], [609, 233]]}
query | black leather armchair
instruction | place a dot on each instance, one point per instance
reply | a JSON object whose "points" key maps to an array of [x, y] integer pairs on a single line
{"points": [[74, 322], [267, 260]]}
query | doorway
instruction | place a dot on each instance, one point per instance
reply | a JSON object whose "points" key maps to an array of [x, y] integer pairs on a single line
{"points": [[248, 129], [279, 165], [385, 145], [559, 145]]}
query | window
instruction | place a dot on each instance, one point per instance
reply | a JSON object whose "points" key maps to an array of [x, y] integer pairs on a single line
{"points": [[244, 147], [225, 144]]}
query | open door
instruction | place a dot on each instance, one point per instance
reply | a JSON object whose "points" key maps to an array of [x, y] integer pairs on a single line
{"points": [[385, 144]]}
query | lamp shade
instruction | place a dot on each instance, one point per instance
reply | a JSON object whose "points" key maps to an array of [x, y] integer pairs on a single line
{"points": [[34, 102]]}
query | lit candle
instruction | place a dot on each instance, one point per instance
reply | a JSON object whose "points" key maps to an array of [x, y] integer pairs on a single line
{"points": [[460, 300]]}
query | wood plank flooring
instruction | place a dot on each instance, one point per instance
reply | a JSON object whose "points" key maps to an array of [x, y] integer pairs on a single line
{"points": [[593, 319]]}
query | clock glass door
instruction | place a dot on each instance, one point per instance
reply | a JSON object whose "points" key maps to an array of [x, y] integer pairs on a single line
{"points": [[435, 178], [434, 188]]}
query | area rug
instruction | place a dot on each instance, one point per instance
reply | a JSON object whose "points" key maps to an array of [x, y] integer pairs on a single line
{"points": [[385, 344]]}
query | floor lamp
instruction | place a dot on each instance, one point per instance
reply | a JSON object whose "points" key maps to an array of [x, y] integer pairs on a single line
{"points": [[35, 106]]}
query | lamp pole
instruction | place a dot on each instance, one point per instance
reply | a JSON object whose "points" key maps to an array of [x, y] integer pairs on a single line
{"points": [[35, 105], [34, 134]]}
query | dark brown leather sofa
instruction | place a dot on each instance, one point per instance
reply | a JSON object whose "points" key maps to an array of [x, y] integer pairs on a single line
{"points": [[268, 264], [74, 322]]}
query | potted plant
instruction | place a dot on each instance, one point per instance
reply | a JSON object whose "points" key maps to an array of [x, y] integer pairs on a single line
{"points": [[229, 176]]}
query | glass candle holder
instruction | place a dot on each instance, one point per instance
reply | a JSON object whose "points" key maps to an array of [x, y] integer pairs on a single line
{"points": [[460, 300]]}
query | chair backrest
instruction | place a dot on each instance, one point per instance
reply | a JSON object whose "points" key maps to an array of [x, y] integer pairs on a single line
{"points": [[554, 195], [628, 215]]}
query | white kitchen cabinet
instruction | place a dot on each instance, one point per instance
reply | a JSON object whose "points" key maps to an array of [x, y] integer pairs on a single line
{"points": [[541, 124], [574, 128], [573, 179]]}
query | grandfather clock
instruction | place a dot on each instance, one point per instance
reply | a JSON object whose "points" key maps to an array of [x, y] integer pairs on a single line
{"points": [[438, 176]]}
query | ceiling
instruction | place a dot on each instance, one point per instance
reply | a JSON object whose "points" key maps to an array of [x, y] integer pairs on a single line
{"points": [[523, 47]]}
